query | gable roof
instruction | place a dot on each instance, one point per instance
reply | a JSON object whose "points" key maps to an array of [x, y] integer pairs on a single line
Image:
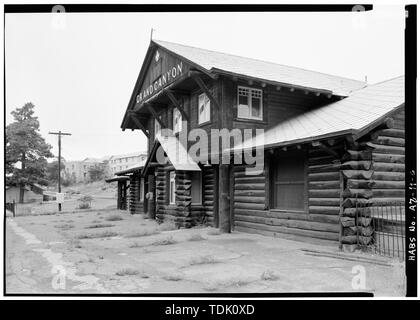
{"points": [[269, 71], [352, 115]]}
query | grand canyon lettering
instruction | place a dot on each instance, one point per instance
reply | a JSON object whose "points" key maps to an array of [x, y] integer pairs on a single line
{"points": [[166, 78]]}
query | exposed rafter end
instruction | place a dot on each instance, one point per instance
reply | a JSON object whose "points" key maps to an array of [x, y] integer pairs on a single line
{"points": [[324, 147]]}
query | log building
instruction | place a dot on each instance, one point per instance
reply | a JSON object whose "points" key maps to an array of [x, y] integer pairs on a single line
{"points": [[328, 142]]}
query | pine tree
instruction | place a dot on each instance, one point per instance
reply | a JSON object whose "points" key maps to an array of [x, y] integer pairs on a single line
{"points": [[25, 147]]}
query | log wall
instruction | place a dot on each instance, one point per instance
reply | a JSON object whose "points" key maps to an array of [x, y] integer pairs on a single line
{"points": [[252, 211], [183, 213], [134, 204], [377, 178]]}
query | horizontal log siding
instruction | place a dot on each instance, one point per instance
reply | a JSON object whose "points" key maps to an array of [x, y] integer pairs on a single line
{"points": [[209, 194], [251, 212], [134, 204], [376, 176]]}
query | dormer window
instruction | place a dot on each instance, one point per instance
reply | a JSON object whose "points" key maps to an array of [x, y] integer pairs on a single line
{"points": [[250, 104]]}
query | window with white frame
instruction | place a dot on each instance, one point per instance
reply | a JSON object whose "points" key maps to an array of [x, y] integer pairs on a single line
{"points": [[196, 187], [250, 104], [177, 121], [203, 108], [157, 128], [172, 187]]}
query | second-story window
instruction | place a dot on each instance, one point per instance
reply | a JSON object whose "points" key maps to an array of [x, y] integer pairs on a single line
{"points": [[203, 108], [177, 121], [250, 104]]}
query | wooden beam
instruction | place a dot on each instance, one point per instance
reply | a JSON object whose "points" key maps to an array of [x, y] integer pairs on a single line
{"points": [[139, 124], [278, 88], [203, 87], [263, 84], [176, 103], [155, 115], [326, 148], [292, 89], [250, 82]]}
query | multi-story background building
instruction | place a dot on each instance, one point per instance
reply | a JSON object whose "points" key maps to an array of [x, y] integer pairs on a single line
{"points": [[125, 161], [78, 171]]}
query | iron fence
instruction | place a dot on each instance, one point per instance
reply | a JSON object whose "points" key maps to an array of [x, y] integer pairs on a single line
{"points": [[380, 227]]}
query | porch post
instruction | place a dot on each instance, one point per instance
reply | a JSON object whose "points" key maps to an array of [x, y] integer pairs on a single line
{"points": [[151, 202], [224, 201]]}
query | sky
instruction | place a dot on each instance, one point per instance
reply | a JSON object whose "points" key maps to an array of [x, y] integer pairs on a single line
{"points": [[79, 71]]}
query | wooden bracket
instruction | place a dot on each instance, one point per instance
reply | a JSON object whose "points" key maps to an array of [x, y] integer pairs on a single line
{"points": [[203, 87], [173, 99], [139, 124], [155, 115]]}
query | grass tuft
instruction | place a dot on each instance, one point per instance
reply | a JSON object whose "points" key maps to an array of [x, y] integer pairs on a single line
{"points": [[269, 275], [142, 233], [114, 217], [173, 277], [127, 272], [165, 241], [203, 260], [100, 225], [196, 237], [103, 234], [213, 232]]}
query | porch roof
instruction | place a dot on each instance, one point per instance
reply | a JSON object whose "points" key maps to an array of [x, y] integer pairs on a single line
{"points": [[356, 115], [119, 178], [175, 152]]}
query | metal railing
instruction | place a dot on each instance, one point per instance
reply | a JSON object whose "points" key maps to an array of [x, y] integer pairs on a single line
{"points": [[380, 227]]}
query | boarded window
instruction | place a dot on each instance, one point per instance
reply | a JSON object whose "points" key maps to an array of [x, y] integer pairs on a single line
{"points": [[196, 190], [288, 183]]}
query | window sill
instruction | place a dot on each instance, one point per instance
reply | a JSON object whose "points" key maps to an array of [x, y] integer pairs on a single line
{"points": [[250, 120], [291, 211], [203, 124]]}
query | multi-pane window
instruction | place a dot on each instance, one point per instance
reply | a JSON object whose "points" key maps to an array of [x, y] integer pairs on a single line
{"points": [[196, 190], [177, 120], [250, 104], [172, 187], [288, 184], [203, 108]]}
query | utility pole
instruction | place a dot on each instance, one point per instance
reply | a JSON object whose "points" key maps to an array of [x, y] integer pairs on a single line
{"points": [[59, 134]]}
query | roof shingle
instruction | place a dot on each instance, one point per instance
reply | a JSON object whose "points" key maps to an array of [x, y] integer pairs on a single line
{"points": [[269, 71]]}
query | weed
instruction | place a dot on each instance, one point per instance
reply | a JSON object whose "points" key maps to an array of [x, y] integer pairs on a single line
{"points": [[127, 272], [269, 275]]}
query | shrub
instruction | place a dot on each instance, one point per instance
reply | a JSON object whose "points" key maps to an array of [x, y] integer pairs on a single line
{"points": [[85, 202], [196, 237], [99, 225]]}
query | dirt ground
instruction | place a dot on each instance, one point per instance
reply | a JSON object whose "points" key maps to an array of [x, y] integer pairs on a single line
{"points": [[114, 252]]}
